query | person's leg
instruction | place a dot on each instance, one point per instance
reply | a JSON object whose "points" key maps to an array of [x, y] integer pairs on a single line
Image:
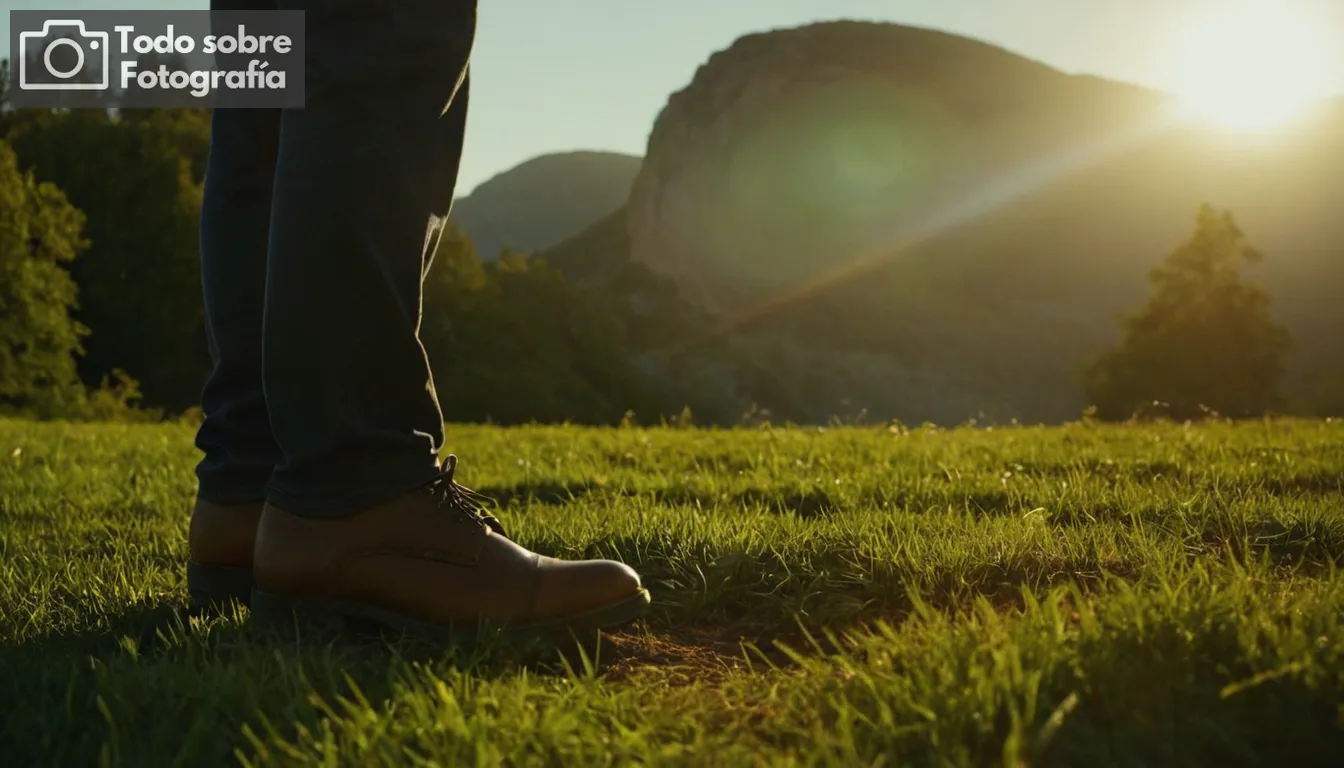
{"points": [[360, 521], [235, 437], [364, 181]]}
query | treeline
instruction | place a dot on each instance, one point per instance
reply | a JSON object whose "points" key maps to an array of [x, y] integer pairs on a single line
{"points": [[101, 311], [512, 340], [100, 294], [135, 180]]}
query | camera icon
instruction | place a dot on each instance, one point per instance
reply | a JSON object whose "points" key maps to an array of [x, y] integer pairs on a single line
{"points": [[45, 56]]}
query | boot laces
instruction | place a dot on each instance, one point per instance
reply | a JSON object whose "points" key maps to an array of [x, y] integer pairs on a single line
{"points": [[461, 499]]}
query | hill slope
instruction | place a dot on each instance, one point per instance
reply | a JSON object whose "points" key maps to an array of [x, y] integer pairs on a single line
{"points": [[954, 226], [544, 200]]}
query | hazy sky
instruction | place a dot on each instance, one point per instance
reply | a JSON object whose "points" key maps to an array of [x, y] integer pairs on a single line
{"points": [[553, 75]]}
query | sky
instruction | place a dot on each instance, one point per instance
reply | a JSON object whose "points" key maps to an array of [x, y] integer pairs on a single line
{"points": [[549, 75]]}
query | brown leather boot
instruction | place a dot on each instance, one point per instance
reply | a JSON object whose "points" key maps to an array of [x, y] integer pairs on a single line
{"points": [[430, 560], [220, 543]]}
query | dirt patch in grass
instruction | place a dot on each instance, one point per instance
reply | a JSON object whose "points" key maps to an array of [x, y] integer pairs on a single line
{"points": [[686, 655]]}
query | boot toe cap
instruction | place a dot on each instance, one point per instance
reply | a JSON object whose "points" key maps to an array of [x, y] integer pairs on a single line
{"points": [[569, 588]]}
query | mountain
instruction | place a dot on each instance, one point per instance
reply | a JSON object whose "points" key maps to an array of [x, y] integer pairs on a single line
{"points": [[542, 201], [928, 227]]}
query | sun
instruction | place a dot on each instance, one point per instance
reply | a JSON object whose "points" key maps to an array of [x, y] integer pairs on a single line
{"points": [[1252, 65]]}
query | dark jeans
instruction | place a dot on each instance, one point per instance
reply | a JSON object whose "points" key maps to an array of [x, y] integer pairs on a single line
{"points": [[316, 233]]}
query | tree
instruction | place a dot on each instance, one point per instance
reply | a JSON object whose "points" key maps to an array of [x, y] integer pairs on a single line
{"points": [[138, 181], [187, 128], [1205, 340], [455, 266], [511, 341], [39, 231]]}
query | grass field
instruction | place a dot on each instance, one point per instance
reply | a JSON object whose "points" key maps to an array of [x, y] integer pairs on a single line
{"points": [[1083, 595]]}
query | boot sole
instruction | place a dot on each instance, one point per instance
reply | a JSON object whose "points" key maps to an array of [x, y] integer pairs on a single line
{"points": [[285, 611], [216, 586]]}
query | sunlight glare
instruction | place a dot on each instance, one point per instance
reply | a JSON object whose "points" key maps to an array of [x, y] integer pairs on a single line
{"points": [[1253, 65]]}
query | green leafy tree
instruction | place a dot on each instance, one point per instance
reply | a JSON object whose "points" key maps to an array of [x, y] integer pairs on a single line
{"points": [[187, 129], [138, 180], [1205, 340], [456, 267], [39, 232], [512, 341]]}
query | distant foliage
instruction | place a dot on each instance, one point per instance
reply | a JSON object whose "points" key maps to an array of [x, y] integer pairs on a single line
{"points": [[137, 178], [512, 341], [1204, 342], [1321, 393], [40, 232], [117, 398], [584, 333]]}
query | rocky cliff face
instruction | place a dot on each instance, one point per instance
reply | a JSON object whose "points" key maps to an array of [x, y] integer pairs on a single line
{"points": [[930, 227], [791, 148], [869, 217]]}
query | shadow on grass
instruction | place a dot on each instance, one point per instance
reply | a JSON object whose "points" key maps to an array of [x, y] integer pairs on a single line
{"points": [[159, 683], [546, 492], [1311, 545], [1322, 483], [806, 503]]}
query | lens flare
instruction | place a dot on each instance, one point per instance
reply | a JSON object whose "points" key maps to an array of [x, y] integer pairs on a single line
{"points": [[1253, 65], [886, 244]]}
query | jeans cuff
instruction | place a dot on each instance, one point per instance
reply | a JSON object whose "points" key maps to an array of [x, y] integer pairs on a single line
{"points": [[346, 505]]}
